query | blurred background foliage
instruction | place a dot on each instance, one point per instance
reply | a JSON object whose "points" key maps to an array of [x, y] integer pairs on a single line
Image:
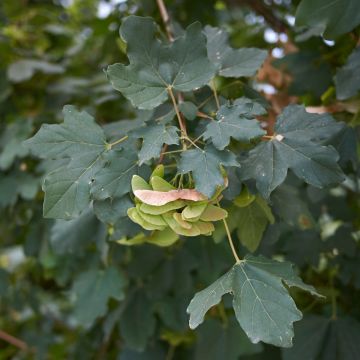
{"points": [[60, 296]]}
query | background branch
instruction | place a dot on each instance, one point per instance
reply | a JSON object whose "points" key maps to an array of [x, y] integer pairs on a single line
{"points": [[14, 341], [265, 11], [166, 19]]}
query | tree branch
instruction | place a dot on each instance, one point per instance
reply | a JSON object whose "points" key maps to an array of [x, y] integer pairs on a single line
{"points": [[265, 11], [14, 341], [166, 19]]}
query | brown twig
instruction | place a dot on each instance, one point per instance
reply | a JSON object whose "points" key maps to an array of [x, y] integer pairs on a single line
{"points": [[179, 117], [213, 87], [166, 19], [15, 341], [265, 11], [203, 115], [162, 154]]}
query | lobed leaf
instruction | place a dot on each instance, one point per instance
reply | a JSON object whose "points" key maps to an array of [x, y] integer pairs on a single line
{"points": [[154, 137], [93, 289], [205, 167], [262, 304], [295, 147], [252, 222], [236, 121], [154, 67], [347, 78], [78, 134], [115, 177], [330, 18], [232, 62], [318, 337]]}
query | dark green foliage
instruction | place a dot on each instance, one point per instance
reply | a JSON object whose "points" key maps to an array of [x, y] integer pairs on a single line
{"points": [[347, 78], [80, 280], [332, 18], [295, 146]]}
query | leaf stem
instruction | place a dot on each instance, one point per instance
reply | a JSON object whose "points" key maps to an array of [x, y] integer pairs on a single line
{"points": [[110, 145], [191, 142], [213, 87], [203, 115], [178, 115], [231, 243]]}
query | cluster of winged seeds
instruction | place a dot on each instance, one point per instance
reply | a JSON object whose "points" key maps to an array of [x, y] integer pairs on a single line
{"points": [[161, 206]]}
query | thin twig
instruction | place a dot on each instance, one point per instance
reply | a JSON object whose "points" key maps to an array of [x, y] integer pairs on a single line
{"points": [[333, 299], [266, 11], [170, 353], [14, 341], [167, 23], [221, 88], [213, 87], [163, 152], [166, 19], [198, 138], [172, 152], [180, 120]]}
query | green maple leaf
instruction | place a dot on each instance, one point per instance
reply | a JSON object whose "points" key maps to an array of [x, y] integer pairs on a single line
{"points": [[227, 341], [93, 289], [154, 137], [24, 69], [114, 179], [330, 18], [251, 222], [137, 321], [205, 167], [112, 209], [347, 79], [73, 236], [236, 121], [232, 62], [15, 184], [68, 189], [78, 134], [262, 304], [296, 146], [318, 337], [155, 67], [12, 142]]}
